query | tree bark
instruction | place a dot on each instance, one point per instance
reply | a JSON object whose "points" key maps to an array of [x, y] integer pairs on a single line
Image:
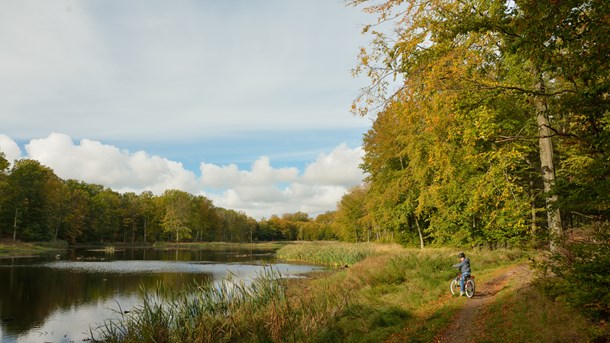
{"points": [[548, 168], [421, 237]]}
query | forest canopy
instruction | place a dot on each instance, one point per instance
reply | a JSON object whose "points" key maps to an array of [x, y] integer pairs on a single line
{"points": [[492, 120]]}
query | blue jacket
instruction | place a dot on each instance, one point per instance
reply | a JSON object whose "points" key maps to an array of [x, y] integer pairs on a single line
{"points": [[464, 266]]}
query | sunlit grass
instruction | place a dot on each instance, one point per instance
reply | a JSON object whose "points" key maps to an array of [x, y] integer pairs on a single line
{"points": [[219, 245], [22, 248], [333, 253], [529, 316]]}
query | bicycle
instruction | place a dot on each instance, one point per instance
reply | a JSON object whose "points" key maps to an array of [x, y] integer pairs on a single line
{"points": [[469, 285]]}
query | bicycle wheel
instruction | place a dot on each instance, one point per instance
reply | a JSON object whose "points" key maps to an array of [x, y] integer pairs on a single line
{"points": [[469, 288], [455, 286]]}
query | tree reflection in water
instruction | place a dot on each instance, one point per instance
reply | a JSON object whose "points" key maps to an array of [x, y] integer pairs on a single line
{"points": [[38, 295]]}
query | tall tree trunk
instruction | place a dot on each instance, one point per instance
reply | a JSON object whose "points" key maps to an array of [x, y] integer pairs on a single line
{"points": [[547, 166], [421, 237]]}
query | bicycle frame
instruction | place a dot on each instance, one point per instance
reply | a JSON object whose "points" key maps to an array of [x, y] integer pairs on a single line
{"points": [[469, 284]]}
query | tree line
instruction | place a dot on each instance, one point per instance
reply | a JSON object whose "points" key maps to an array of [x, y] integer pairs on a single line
{"points": [[37, 205]]}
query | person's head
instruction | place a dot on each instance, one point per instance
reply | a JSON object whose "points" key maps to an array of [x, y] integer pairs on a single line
{"points": [[461, 256]]}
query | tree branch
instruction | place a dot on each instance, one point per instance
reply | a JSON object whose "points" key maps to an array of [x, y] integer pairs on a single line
{"points": [[522, 90]]}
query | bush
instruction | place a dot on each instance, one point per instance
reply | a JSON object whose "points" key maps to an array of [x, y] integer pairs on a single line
{"points": [[577, 273]]}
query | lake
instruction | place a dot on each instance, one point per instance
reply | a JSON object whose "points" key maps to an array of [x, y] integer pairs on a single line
{"points": [[59, 298]]}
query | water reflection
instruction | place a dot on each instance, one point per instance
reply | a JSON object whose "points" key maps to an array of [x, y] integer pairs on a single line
{"points": [[49, 300]]}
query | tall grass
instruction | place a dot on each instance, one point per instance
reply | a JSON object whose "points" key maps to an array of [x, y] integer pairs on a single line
{"points": [[212, 312], [394, 292], [218, 245], [229, 311], [332, 253]]}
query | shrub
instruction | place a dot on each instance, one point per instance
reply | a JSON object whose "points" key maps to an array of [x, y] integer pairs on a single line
{"points": [[577, 273]]}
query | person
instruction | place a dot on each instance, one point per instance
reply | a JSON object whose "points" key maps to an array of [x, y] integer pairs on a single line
{"points": [[464, 267]]}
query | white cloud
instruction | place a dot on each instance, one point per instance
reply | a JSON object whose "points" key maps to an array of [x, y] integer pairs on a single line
{"points": [[265, 190], [10, 149], [261, 174], [336, 168], [261, 191], [94, 162]]}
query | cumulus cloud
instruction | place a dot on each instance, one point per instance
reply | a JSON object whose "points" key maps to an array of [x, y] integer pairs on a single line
{"points": [[262, 173], [10, 149], [265, 190], [260, 191], [336, 168], [94, 162]]}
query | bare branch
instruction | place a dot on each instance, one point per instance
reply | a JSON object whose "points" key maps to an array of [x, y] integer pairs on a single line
{"points": [[522, 90]]}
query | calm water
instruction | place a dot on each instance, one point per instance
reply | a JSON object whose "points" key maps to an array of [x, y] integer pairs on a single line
{"points": [[59, 298]]}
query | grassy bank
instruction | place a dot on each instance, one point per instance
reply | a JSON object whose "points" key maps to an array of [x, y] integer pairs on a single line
{"points": [[391, 290], [333, 253], [13, 249], [405, 292], [529, 316], [219, 245]]}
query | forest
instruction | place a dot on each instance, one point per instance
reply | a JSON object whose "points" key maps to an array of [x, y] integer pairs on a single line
{"points": [[492, 122]]}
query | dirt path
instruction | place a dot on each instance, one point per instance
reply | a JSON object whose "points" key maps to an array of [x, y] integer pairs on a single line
{"points": [[465, 324]]}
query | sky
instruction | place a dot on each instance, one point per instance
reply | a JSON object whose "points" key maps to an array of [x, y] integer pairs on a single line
{"points": [[245, 102]]}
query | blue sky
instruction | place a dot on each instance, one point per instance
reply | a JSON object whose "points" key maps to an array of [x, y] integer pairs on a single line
{"points": [[149, 95]]}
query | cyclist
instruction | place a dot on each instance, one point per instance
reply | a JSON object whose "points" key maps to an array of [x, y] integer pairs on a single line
{"points": [[464, 267]]}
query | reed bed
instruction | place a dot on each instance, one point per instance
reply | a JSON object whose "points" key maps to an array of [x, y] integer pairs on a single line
{"points": [[333, 253], [218, 245], [228, 311], [201, 313]]}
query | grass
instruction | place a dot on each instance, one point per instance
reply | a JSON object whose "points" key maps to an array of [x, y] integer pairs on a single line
{"points": [[333, 253], [219, 245], [13, 249], [527, 315], [403, 295], [226, 312], [391, 294]]}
